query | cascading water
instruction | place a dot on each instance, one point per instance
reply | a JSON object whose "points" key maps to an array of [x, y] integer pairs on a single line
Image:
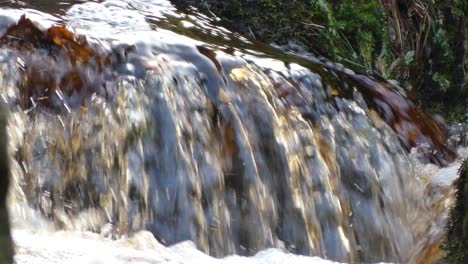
{"points": [[146, 117]]}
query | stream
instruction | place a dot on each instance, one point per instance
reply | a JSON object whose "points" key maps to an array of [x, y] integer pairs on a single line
{"points": [[140, 133]]}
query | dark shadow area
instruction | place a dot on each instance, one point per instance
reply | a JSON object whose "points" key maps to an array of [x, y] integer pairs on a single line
{"points": [[6, 247]]}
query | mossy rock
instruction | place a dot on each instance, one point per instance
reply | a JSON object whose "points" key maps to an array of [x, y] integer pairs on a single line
{"points": [[455, 246]]}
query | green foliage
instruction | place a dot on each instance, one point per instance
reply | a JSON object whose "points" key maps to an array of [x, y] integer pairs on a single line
{"points": [[443, 77], [417, 42], [356, 32], [352, 31], [455, 252], [409, 57], [441, 80]]}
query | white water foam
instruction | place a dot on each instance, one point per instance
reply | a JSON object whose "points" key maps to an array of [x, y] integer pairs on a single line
{"points": [[87, 247]]}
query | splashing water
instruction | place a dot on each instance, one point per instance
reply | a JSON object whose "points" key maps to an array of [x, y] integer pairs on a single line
{"points": [[132, 115]]}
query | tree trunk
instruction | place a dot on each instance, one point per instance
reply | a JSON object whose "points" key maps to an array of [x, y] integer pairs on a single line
{"points": [[6, 245]]}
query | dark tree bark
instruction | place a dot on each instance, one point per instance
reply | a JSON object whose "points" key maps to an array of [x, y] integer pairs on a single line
{"points": [[6, 245]]}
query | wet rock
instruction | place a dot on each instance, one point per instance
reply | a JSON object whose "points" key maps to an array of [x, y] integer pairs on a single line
{"points": [[57, 68]]}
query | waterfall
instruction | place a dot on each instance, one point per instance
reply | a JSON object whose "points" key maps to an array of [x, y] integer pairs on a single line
{"points": [[133, 115]]}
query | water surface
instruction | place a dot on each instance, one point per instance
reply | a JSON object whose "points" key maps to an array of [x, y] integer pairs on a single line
{"points": [[133, 115]]}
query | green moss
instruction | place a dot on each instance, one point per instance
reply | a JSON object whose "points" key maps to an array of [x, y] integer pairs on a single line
{"points": [[455, 246]]}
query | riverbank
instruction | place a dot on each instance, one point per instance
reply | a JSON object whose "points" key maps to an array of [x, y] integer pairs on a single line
{"points": [[421, 44]]}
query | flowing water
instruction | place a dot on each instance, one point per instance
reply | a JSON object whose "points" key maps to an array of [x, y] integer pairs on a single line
{"points": [[133, 115]]}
